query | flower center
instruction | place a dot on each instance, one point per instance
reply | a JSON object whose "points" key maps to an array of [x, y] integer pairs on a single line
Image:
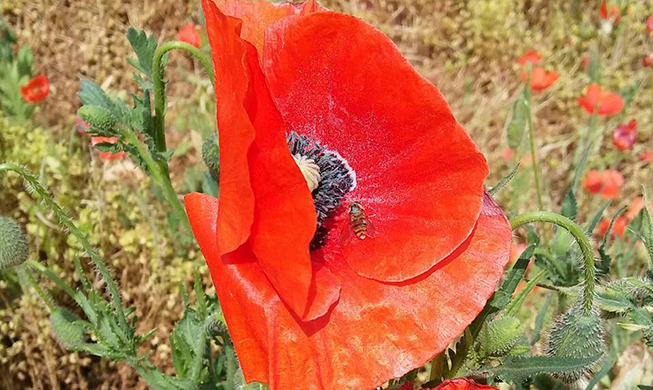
{"points": [[328, 175]]}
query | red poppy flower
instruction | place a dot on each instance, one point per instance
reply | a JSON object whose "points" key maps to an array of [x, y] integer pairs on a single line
{"points": [[307, 296], [607, 183], [36, 89], [646, 61], [624, 136], [530, 56], [189, 34], [507, 154], [593, 181], [107, 155], [612, 14], [636, 206], [618, 228], [647, 156], [463, 384], [452, 384], [541, 79], [604, 103], [649, 24]]}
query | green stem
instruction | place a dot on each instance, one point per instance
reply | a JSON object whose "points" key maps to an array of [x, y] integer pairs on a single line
{"points": [[161, 178], [581, 239], [70, 226], [588, 143], [515, 304], [531, 140], [30, 278], [232, 366], [159, 85], [550, 259], [54, 277]]}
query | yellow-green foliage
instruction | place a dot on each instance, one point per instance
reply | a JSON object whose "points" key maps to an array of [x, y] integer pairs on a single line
{"points": [[123, 219]]}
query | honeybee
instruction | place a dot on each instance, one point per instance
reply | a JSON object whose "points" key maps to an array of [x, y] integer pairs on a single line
{"points": [[358, 220]]}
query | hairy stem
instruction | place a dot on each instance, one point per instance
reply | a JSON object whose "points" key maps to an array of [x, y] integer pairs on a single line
{"points": [[582, 240], [159, 85], [160, 177], [32, 281], [34, 184]]}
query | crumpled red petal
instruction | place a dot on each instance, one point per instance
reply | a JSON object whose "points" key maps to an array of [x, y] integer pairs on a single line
{"points": [[419, 175], [257, 15], [376, 331], [283, 219]]}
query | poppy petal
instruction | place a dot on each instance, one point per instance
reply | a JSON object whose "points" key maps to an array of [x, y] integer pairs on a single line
{"points": [[612, 104], [375, 332], [344, 83], [284, 218], [257, 15]]}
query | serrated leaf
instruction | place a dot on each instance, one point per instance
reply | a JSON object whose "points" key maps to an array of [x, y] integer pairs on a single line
{"points": [[92, 94], [24, 61], [517, 369], [144, 46], [108, 147], [518, 122], [569, 205], [647, 227], [504, 181]]}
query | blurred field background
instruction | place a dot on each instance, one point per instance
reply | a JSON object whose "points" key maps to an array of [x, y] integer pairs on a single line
{"points": [[467, 48]]}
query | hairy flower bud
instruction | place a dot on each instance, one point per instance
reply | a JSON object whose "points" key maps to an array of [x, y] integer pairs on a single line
{"points": [[66, 330], [500, 336], [98, 117], [211, 154], [13, 244], [577, 334]]}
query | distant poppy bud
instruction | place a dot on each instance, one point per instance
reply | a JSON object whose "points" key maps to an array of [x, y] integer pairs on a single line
{"points": [[36, 89], [624, 136], [189, 34], [13, 244]]}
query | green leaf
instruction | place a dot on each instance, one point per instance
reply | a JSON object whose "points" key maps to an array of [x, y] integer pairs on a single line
{"points": [[539, 320], [144, 47], [596, 219], [93, 95], [25, 61], [647, 227], [517, 369], [569, 205], [499, 186], [518, 122]]}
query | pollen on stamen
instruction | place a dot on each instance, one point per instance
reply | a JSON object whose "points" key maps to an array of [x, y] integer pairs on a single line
{"points": [[327, 174], [309, 169]]}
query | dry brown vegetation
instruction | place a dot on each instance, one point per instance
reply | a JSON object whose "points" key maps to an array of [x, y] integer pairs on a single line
{"points": [[467, 48]]}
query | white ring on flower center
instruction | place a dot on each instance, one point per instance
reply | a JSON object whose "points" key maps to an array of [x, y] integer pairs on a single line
{"points": [[310, 170]]}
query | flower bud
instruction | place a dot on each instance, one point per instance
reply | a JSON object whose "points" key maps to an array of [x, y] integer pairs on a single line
{"points": [[211, 154], [500, 336], [98, 117], [577, 334], [66, 330], [13, 244]]}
